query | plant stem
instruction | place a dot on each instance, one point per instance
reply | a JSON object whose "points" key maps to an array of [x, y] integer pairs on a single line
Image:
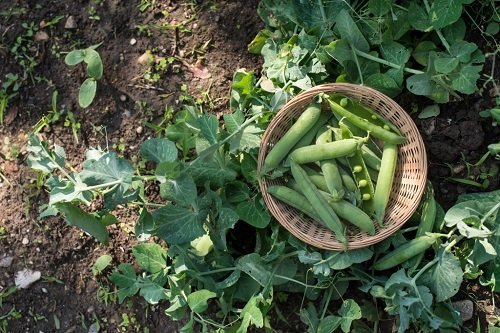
{"points": [[385, 62], [96, 187], [220, 270]]}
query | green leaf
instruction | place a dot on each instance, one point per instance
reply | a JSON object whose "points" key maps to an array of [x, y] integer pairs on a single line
{"points": [[179, 225], [383, 83], [329, 324], [466, 79], [67, 191], [151, 257], [144, 227], [379, 7], [492, 28], [253, 212], [251, 314], [237, 191], [339, 50], [445, 12], [158, 150], [229, 281], [349, 311], [445, 65], [286, 268], [253, 265], [83, 220], [345, 259], [198, 300], [233, 121], [151, 291], [455, 32], [395, 53], [463, 50], [226, 220], [182, 190], [422, 50], [126, 281], [445, 277], [209, 126], [419, 19], [349, 31], [420, 84], [74, 57], [101, 264], [94, 64], [246, 140], [429, 111], [41, 157], [211, 172], [87, 92]]}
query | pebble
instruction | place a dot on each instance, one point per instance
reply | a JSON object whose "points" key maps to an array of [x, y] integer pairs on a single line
{"points": [[6, 261], [126, 113], [195, 25], [26, 277], [123, 98], [41, 36], [139, 130], [465, 307], [70, 23], [133, 41], [45, 291], [94, 328], [25, 241], [90, 309]]}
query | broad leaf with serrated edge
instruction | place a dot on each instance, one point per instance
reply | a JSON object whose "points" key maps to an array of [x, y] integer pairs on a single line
{"points": [[253, 212], [445, 277], [182, 189], [158, 150], [179, 225], [41, 157], [125, 279], [151, 257]]}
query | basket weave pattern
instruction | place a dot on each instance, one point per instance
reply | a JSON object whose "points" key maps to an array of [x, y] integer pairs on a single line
{"points": [[409, 180]]}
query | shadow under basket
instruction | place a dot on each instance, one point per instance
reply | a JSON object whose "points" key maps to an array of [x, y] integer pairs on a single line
{"points": [[409, 179]]}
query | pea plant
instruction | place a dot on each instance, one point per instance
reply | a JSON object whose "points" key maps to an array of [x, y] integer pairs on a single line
{"points": [[94, 70]]}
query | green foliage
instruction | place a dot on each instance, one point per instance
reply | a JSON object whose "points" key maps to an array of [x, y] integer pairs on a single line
{"points": [[94, 70]]}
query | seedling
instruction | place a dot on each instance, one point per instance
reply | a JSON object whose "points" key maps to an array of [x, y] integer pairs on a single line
{"points": [[94, 70]]}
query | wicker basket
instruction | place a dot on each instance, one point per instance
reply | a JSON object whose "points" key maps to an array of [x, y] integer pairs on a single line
{"points": [[408, 185]]}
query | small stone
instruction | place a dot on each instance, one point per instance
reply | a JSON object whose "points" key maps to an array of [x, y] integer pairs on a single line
{"points": [[123, 98], [133, 41], [6, 261], [26, 277], [94, 328], [70, 23], [139, 130], [25, 241], [90, 309], [126, 113], [465, 307], [45, 291], [41, 36], [195, 25], [217, 18]]}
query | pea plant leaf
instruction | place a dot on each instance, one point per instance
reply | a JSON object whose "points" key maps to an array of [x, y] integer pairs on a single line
{"points": [[182, 189], [211, 172], [419, 18], [41, 157], [251, 314], [445, 12], [465, 80], [151, 257], [125, 279], [150, 290], [245, 140], [179, 225], [75, 216], [253, 212], [349, 31], [349, 311], [158, 150], [226, 220], [198, 300], [345, 259], [445, 277], [209, 127], [254, 266], [87, 92]]}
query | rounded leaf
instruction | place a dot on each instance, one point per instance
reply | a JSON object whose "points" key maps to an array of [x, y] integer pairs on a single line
{"points": [[74, 57], [94, 63], [87, 92]]}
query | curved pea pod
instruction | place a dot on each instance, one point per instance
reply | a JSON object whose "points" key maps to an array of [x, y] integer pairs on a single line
{"points": [[375, 130], [294, 199], [353, 215], [317, 178], [315, 153], [347, 180], [405, 252], [385, 180], [370, 158], [427, 219], [360, 174], [319, 204], [309, 137], [330, 168], [281, 148]]}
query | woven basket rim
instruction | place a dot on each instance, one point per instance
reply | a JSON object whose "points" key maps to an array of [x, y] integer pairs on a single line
{"points": [[295, 223]]}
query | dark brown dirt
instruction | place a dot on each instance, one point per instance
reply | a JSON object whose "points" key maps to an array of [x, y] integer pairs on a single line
{"points": [[212, 34]]}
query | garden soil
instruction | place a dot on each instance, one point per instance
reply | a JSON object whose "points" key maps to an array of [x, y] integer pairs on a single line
{"points": [[209, 42]]}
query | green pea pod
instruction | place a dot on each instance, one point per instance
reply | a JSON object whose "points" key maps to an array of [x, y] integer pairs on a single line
{"points": [[405, 252], [315, 153], [319, 204], [294, 199], [365, 124], [427, 218], [330, 168], [385, 180], [359, 173], [370, 158], [309, 137], [301, 126], [317, 178]]}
